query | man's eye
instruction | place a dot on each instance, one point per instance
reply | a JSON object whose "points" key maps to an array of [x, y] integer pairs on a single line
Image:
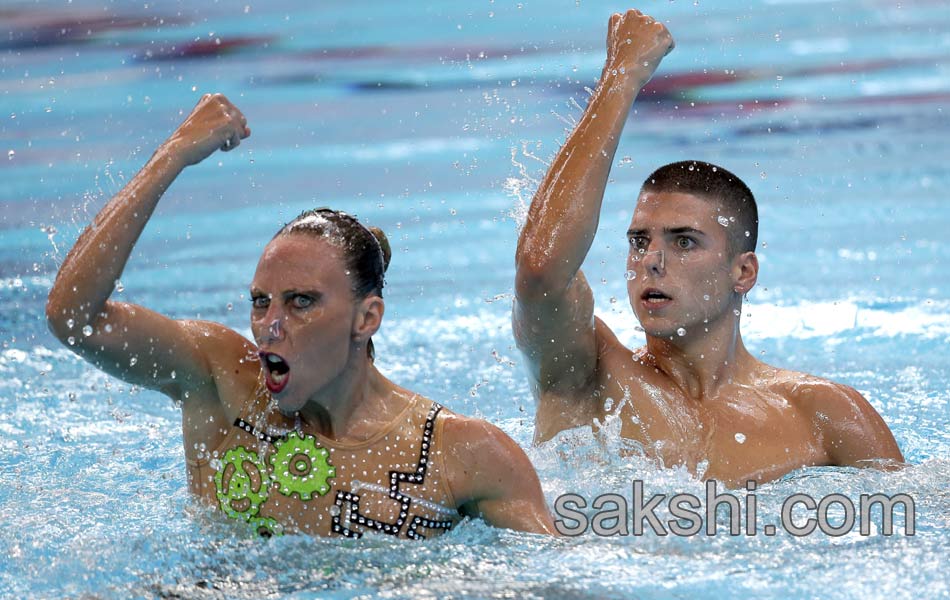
{"points": [[684, 243], [639, 243], [302, 301], [260, 301]]}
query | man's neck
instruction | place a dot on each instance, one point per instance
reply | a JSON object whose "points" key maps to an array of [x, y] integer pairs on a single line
{"points": [[701, 362]]}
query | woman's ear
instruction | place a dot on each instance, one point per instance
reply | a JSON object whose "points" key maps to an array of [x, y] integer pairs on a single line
{"points": [[745, 272], [369, 316]]}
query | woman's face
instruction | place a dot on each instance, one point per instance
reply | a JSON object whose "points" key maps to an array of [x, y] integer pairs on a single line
{"points": [[303, 317]]}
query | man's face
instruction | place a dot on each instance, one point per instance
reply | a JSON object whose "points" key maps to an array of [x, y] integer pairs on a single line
{"points": [[680, 264]]}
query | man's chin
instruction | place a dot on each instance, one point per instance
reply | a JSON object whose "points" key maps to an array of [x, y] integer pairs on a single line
{"points": [[664, 331]]}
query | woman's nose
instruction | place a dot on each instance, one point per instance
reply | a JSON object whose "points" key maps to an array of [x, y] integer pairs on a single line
{"points": [[273, 330]]}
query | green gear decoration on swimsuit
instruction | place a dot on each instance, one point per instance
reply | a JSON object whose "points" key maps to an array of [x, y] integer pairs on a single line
{"points": [[301, 466], [239, 488], [266, 526]]}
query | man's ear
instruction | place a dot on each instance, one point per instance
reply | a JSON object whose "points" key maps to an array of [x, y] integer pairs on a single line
{"points": [[745, 272], [369, 316]]}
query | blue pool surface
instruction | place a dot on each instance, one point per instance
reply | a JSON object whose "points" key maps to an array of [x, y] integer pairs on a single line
{"points": [[435, 122]]}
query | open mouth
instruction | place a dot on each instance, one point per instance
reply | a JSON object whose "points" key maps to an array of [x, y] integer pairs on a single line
{"points": [[276, 371], [654, 297]]}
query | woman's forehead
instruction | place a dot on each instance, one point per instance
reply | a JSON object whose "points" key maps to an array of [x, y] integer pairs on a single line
{"points": [[301, 257]]}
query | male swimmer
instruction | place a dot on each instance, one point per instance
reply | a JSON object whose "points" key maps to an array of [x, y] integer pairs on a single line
{"points": [[297, 431], [693, 395]]}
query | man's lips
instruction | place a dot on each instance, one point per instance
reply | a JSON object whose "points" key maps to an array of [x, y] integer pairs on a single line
{"points": [[655, 298], [276, 371]]}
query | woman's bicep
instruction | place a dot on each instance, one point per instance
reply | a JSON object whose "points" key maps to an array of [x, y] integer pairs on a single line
{"points": [[145, 348]]}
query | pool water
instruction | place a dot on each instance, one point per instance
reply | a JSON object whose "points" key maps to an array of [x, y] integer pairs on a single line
{"points": [[434, 122]]}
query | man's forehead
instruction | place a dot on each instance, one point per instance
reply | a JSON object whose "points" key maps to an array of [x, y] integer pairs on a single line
{"points": [[674, 210]]}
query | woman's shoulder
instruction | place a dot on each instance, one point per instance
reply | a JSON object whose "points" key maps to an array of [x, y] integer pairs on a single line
{"points": [[230, 358]]}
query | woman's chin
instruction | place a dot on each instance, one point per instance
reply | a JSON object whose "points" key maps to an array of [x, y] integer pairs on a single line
{"points": [[287, 404]]}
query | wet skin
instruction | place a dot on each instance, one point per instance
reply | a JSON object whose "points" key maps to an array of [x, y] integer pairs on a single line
{"points": [[303, 312], [693, 395]]}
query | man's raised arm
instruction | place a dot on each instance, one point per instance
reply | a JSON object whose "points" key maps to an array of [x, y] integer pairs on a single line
{"points": [[554, 310]]}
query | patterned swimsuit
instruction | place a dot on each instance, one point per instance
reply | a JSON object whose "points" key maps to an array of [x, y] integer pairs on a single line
{"points": [[293, 481]]}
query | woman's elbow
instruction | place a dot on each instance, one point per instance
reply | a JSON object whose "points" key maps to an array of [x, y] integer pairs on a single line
{"points": [[58, 319]]}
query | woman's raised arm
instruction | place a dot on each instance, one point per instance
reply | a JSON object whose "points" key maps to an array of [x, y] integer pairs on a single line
{"points": [[128, 341]]}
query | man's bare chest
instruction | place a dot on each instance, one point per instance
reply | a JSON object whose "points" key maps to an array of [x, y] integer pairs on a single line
{"points": [[740, 433]]}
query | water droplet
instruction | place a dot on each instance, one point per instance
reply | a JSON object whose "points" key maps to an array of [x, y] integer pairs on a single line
{"points": [[747, 234], [706, 297], [230, 306], [722, 221], [132, 361], [630, 275], [108, 328], [118, 286], [87, 330], [736, 312], [70, 323], [10, 155], [613, 299], [740, 437], [681, 331], [72, 397]]}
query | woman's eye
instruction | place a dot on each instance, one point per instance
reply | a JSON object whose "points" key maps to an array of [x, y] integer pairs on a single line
{"points": [[302, 301], [260, 301]]}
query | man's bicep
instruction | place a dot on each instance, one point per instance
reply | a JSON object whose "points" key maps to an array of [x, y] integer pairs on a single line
{"points": [[555, 332]]}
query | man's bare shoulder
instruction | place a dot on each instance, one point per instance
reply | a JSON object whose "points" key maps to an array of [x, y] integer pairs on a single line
{"points": [[852, 430], [616, 359], [810, 393]]}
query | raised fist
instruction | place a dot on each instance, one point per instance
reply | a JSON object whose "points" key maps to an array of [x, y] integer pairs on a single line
{"points": [[636, 44], [214, 123]]}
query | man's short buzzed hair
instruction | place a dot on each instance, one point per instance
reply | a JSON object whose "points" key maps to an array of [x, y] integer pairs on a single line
{"points": [[712, 182]]}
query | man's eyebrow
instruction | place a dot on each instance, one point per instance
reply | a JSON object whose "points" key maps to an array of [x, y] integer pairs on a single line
{"points": [[668, 230], [684, 229]]}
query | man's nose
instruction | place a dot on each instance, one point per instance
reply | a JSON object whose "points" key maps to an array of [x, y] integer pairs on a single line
{"points": [[654, 261]]}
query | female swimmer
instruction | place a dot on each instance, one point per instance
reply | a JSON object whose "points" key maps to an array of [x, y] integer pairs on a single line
{"points": [[298, 431]]}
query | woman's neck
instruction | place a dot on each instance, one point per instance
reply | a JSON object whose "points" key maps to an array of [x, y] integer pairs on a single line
{"points": [[355, 405]]}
